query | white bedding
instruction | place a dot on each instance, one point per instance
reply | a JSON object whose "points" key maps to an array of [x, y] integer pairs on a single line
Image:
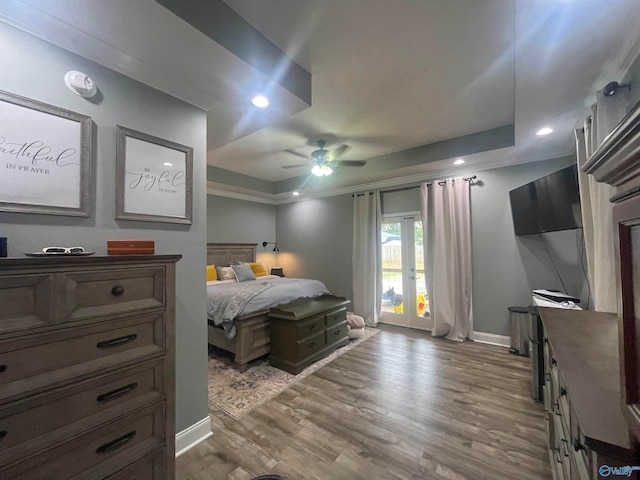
{"points": [[278, 290]]}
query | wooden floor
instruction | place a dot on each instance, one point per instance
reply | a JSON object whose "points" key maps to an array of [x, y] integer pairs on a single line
{"points": [[402, 405]]}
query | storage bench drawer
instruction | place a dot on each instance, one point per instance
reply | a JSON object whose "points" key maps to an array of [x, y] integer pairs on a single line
{"points": [[337, 333], [310, 327], [335, 317]]}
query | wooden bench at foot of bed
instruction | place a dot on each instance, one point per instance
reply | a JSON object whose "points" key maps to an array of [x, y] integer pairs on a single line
{"points": [[251, 340]]}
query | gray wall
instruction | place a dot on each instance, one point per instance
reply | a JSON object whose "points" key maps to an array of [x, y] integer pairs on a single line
{"points": [[316, 241], [35, 69], [315, 238], [239, 221], [506, 267]]}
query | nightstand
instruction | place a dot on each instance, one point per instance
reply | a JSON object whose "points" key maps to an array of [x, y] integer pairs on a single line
{"points": [[277, 271]]}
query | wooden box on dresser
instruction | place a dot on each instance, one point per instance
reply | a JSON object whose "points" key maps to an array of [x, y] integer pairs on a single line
{"points": [[87, 367], [305, 330]]}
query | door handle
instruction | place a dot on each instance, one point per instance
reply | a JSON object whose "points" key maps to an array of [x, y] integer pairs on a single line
{"points": [[412, 277]]}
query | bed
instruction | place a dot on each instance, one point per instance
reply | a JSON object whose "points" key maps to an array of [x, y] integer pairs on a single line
{"points": [[251, 338]]}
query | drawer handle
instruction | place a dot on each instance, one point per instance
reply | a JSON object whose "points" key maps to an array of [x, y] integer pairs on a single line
{"points": [[311, 327], [105, 397], [114, 342], [563, 391], [3, 368], [312, 344], [117, 290], [117, 443], [577, 446], [337, 332]]}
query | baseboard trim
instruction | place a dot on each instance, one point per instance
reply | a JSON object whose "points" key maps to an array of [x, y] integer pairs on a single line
{"points": [[492, 339], [193, 435]]}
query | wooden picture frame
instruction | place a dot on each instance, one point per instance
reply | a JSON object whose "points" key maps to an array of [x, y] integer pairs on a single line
{"points": [[154, 178], [45, 158]]}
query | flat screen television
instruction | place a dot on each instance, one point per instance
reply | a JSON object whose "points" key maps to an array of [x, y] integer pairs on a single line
{"points": [[548, 204]]}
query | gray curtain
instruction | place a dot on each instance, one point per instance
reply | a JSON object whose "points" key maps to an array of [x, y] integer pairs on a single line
{"points": [[446, 219], [367, 257]]}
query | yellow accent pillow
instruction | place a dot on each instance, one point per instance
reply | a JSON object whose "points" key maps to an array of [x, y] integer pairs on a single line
{"points": [[212, 274], [258, 269]]}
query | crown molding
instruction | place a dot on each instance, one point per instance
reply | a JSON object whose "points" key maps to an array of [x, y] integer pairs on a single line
{"points": [[282, 198]]}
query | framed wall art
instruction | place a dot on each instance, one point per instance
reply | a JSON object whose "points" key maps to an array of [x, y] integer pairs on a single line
{"points": [[45, 158], [154, 178]]}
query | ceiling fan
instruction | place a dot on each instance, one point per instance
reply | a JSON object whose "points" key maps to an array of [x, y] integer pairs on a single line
{"points": [[324, 159]]}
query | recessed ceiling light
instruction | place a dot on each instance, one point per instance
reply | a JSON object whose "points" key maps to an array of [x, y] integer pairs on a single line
{"points": [[167, 164], [260, 101], [458, 162], [544, 131], [295, 194]]}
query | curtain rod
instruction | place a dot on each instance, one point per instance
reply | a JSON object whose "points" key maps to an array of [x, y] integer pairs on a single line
{"points": [[441, 182], [361, 194]]}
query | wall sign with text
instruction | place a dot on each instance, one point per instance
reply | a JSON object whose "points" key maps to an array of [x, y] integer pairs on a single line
{"points": [[45, 158], [154, 178]]}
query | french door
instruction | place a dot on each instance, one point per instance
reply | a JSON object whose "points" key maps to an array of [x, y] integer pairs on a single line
{"points": [[404, 297]]}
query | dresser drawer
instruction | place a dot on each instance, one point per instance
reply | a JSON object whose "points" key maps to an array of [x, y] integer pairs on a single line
{"points": [[310, 327], [105, 449], [40, 361], [152, 467], [52, 417], [27, 301], [98, 293], [337, 333], [335, 317]]}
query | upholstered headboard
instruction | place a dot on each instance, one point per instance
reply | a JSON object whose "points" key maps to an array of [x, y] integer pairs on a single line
{"points": [[222, 254]]}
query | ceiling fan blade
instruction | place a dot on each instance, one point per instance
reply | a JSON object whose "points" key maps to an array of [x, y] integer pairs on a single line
{"points": [[296, 166], [339, 151], [292, 152], [351, 163]]}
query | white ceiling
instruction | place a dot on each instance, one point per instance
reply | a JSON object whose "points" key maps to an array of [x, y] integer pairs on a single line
{"points": [[386, 75]]}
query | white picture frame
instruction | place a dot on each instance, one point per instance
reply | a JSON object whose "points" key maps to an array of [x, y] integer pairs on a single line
{"points": [[45, 158], [154, 178]]}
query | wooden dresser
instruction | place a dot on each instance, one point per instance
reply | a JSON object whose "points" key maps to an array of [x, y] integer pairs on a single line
{"points": [[306, 330], [87, 367], [586, 428]]}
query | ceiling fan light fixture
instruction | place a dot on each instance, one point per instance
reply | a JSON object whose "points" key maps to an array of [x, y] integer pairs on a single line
{"points": [[260, 101], [321, 170]]}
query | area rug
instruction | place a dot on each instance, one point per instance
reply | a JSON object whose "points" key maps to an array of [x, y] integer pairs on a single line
{"points": [[236, 394]]}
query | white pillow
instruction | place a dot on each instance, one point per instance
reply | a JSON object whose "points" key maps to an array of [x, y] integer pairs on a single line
{"points": [[225, 273]]}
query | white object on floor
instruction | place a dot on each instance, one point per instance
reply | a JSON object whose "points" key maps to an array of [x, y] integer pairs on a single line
{"points": [[356, 332]]}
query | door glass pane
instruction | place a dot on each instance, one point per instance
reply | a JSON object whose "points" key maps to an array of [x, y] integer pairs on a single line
{"points": [[422, 301], [391, 267]]}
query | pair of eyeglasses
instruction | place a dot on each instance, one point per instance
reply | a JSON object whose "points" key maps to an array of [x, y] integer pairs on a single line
{"points": [[63, 250]]}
